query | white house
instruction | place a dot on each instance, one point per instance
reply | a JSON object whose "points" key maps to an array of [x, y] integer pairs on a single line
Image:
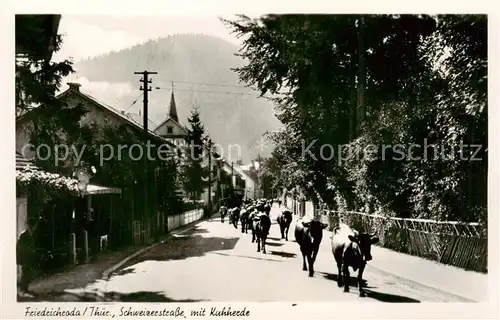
{"points": [[250, 190]]}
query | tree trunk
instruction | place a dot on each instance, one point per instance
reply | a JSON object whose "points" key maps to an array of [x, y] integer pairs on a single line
{"points": [[352, 111], [361, 112]]}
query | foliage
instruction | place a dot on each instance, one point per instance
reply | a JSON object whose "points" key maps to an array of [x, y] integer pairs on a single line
{"points": [[192, 170], [48, 182], [124, 169], [269, 175], [37, 80], [340, 90]]}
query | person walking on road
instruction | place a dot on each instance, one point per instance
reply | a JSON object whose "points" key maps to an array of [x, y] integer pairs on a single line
{"points": [[26, 259], [223, 212]]}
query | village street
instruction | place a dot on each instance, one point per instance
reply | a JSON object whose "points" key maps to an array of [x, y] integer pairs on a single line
{"points": [[215, 262]]}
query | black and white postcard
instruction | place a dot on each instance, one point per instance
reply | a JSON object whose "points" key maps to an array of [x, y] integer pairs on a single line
{"points": [[221, 163]]}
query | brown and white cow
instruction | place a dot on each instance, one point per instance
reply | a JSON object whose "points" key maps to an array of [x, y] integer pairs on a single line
{"points": [[351, 249]]}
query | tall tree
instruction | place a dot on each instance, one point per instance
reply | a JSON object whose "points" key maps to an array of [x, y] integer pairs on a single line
{"points": [[192, 169], [37, 79], [337, 86]]}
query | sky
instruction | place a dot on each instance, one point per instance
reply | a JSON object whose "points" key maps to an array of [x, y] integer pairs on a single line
{"points": [[86, 36]]}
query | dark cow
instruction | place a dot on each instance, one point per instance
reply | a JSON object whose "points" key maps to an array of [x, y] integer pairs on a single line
{"points": [[223, 212], [351, 249], [253, 213], [284, 220], [244, 220], [261, 225], [259, 207], [308, 234], [267, 209], [234, 217]]}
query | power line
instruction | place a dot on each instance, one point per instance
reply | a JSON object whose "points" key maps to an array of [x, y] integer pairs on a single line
{"points": [[210, 84], [213, 85], [207, 91], [133, 103]]}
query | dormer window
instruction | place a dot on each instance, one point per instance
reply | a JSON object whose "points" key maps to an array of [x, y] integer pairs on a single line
{"points": [[170, 130]]}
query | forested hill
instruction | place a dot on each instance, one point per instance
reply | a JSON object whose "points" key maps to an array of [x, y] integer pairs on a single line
{"points": [[200, 67]]}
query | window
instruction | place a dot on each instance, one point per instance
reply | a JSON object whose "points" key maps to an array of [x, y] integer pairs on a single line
{"points": [[170, 130]]}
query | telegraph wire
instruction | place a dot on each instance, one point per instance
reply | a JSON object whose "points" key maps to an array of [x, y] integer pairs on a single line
{"points": [[135, 101], [214, 85], [210, 84], [208, 91]]}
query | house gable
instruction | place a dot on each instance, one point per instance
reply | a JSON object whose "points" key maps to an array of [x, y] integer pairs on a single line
{"points": [[171, 128]]}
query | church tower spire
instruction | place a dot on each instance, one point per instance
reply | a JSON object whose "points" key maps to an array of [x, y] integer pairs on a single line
{"points": [[172, 112]]}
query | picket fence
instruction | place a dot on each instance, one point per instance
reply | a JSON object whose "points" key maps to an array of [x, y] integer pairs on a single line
{"points": [[174, 222], [463, 245], [184, 218]]}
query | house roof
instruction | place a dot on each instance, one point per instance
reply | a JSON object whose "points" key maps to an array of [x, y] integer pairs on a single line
{"points": [[74, 88], [42, 27], [227, 167], [243, 172], [112, 110], [246, 167]]}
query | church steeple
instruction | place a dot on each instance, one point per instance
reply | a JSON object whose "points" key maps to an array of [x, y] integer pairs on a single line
{"points": [[172, 112]]}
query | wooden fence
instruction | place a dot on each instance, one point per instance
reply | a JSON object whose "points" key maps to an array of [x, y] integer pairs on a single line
{"points": [[184, 218], [174, 222], [463, 245]]}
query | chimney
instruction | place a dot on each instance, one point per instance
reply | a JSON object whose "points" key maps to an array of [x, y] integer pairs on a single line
{"points": [[74, 86]]}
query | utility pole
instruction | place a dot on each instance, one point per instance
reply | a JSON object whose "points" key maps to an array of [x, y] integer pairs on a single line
{"points": [[210, 175], [145, 88]]}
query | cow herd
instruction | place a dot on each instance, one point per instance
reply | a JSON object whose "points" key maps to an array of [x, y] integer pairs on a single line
{"points": [[253, 216], [350, 248]]}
